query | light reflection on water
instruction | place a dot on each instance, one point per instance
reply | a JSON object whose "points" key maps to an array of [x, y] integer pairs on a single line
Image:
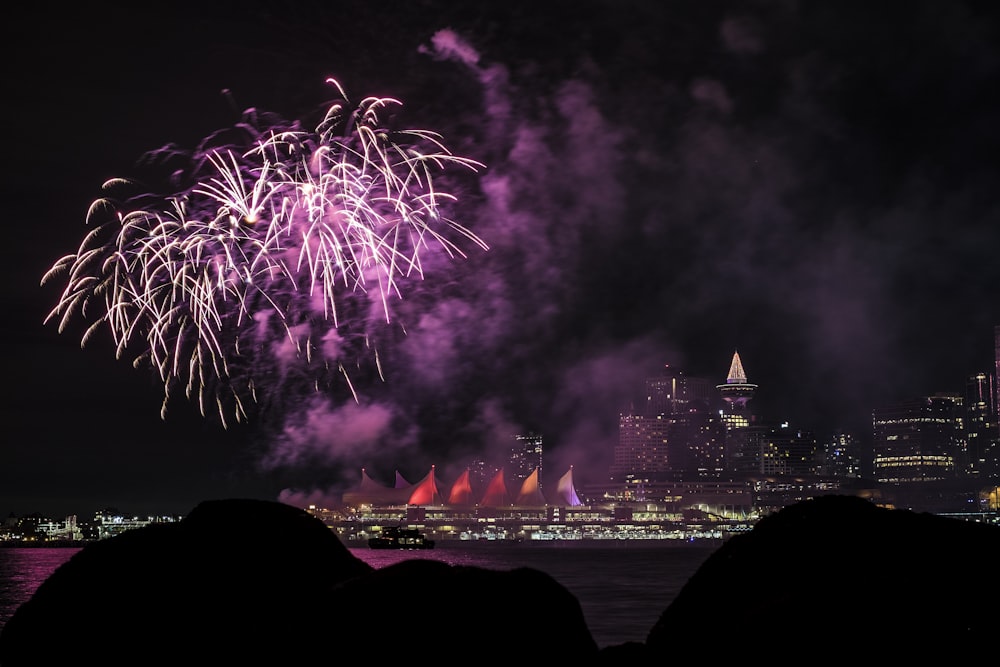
{"points": [[22, 570]]}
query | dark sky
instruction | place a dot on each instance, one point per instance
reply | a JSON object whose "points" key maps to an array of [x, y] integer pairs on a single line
{"points": [[813, 185]]}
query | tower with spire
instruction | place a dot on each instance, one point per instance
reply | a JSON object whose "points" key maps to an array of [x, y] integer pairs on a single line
{"points": [[736, 392]]}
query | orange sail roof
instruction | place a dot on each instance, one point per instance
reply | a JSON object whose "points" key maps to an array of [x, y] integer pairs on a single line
{"points": [[531, 492]]}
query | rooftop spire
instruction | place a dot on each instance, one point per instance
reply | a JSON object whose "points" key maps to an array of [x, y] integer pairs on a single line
{"points": [[736, 373], [736, 391]]}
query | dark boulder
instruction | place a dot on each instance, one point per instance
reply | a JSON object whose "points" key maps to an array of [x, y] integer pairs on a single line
{"points": [[839, 578], [421, 607], [235, 582]]}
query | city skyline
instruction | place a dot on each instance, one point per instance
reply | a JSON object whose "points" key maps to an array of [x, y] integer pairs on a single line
{"points": [[523, 459], [812, 187]]}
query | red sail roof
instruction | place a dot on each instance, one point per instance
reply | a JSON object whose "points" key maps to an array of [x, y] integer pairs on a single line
{"points": [[461, 490], [496, 493], [425, 492], [370, 492]]}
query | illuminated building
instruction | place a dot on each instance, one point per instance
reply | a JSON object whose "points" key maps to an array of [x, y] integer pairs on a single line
{"points": [[736, 393], [674, 436], [840, 456], [526, 454], [512, 509], [673, 393], [919, 440], [60, 530], [996, 374], [642, 451], [773, 451], [981, 429], [694, 435]]}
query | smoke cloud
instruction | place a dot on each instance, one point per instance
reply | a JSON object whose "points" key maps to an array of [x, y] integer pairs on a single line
{"points": [[644, 209]]}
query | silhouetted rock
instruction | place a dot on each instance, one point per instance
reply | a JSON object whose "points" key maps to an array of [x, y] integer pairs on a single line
{"points": [[415, 607], [840, 578], [235, 582]]}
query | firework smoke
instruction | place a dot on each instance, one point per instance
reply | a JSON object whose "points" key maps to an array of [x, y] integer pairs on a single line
{"points": [[276, 259]]}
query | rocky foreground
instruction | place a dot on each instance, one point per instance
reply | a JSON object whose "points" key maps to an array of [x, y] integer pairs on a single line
{"points": [[826, 581]]}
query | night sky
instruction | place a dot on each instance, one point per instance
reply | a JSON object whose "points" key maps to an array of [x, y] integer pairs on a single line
{"points": [[813, 185]]}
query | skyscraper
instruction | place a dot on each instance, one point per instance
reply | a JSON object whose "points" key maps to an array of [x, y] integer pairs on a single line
{"points": [[980, 427], [525, 455], [678, 409], [996, 374], [642, 452], [774, 450], [672, 392]]}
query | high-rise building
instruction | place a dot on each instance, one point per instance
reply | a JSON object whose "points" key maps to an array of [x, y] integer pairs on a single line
{"points": [[684, 422], [671, 392], [774, 450], [996, 373], [526, 455], [981, 431], [840, 454], [642, 453], [735, 393], [919, 440]]}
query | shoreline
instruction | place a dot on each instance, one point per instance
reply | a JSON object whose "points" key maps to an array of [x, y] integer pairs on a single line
{"points": [[700, 543]]}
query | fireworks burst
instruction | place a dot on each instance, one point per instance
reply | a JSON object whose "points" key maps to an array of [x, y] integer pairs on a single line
{"points": [[270, 258]]}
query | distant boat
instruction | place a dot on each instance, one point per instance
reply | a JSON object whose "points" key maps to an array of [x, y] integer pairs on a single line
{"points": [[395, 537]]}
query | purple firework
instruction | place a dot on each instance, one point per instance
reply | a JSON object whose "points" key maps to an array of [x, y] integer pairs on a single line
{"points": [[272, 258]]}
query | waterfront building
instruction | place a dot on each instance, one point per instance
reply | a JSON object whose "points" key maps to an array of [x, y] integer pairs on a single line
{"points": [[528, 515], [67, 529]]}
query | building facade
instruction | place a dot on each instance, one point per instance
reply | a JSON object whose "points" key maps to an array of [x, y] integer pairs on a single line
{"points": [[982, 432], [919, 440]]}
